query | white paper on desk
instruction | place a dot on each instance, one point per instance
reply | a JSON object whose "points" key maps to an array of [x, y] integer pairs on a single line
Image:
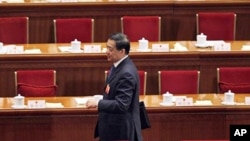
{"points": [[69, 0], [53, 0], [64, 48], [32, 51], [81, 101], [54, 105], [212, 42], [245, 48], [203, 102], [179, 47]]}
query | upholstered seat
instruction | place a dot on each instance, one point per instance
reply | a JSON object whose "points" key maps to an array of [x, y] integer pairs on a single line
{"points": [[217, 25], [138, 27], [14, 30], [35, 83], [236, 79], [143, 80], [179, 81], [69, 29]]}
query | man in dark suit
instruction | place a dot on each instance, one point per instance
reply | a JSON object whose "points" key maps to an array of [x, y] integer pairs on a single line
{"points": [[119, 109]]}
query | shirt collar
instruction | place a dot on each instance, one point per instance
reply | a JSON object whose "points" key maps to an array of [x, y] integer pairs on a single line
{"points": [[118, 62]]}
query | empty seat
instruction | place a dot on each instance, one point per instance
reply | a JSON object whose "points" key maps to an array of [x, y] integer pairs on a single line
{"points": [[236, 79], [35, 83], [138, 27], [14, 30], [69, 29], [179, 81], [216, 25]]}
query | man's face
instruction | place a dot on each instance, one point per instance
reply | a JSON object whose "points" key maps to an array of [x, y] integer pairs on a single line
{"points": [[113, 55]]}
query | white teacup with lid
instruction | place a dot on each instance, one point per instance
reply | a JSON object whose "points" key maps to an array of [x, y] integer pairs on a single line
{"points": [[76, 45], [229, 97], [167, 98], [143, 44], [201, 39], [18, 101]]}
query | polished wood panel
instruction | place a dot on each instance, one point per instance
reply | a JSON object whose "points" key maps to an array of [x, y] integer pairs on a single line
{"points": [[178, 16], [82, 74], [75, 122]]}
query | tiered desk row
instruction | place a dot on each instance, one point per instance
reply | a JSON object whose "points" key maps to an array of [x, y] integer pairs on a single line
{"points": [[178, 16], [82, 74], [75, 122]]}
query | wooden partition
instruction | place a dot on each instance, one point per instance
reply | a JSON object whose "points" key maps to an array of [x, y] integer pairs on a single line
{"points": [[75, 122], [178, 16], [82, 74]]}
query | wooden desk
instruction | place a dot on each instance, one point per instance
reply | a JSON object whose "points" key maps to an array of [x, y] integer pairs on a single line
{"points": [[178, 16], [77, 123], [82, 74]]}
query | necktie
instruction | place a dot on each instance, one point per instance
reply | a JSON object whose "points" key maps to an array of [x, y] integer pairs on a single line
{"points": [[111, 70]]}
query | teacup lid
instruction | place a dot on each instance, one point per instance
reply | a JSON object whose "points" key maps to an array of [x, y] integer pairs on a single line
{"points": [[143, 39], [167, 93], [75, 41], [229, 92], [19, 96], [202, 35]]}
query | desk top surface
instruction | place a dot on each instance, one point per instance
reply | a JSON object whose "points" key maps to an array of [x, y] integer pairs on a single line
{"points": [[236, 47], [151, 101], [122, 1]]}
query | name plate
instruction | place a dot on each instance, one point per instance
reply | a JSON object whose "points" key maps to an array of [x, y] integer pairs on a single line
{"points": [[180, 101], [222, 46], [92, 48], [36, 104], [247, 100], [13, 49], [160, 47]]}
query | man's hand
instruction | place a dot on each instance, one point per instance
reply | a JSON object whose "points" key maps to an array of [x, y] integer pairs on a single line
{"points": [[92, 103]]}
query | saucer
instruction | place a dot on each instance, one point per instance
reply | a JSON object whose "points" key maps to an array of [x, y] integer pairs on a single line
{"points": [[202, 45], [144, 50], [75, 51], [226, 103], [3, 51], [18, 107], [166, 104]]}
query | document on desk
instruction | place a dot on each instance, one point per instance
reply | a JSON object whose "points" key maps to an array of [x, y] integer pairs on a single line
{"points": [[81, 101], [202, 102], [54, 105], [32, 51], [69, 49]]}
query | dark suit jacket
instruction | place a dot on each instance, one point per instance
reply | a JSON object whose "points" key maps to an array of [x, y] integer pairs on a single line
{"points": [[119, 110]]}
